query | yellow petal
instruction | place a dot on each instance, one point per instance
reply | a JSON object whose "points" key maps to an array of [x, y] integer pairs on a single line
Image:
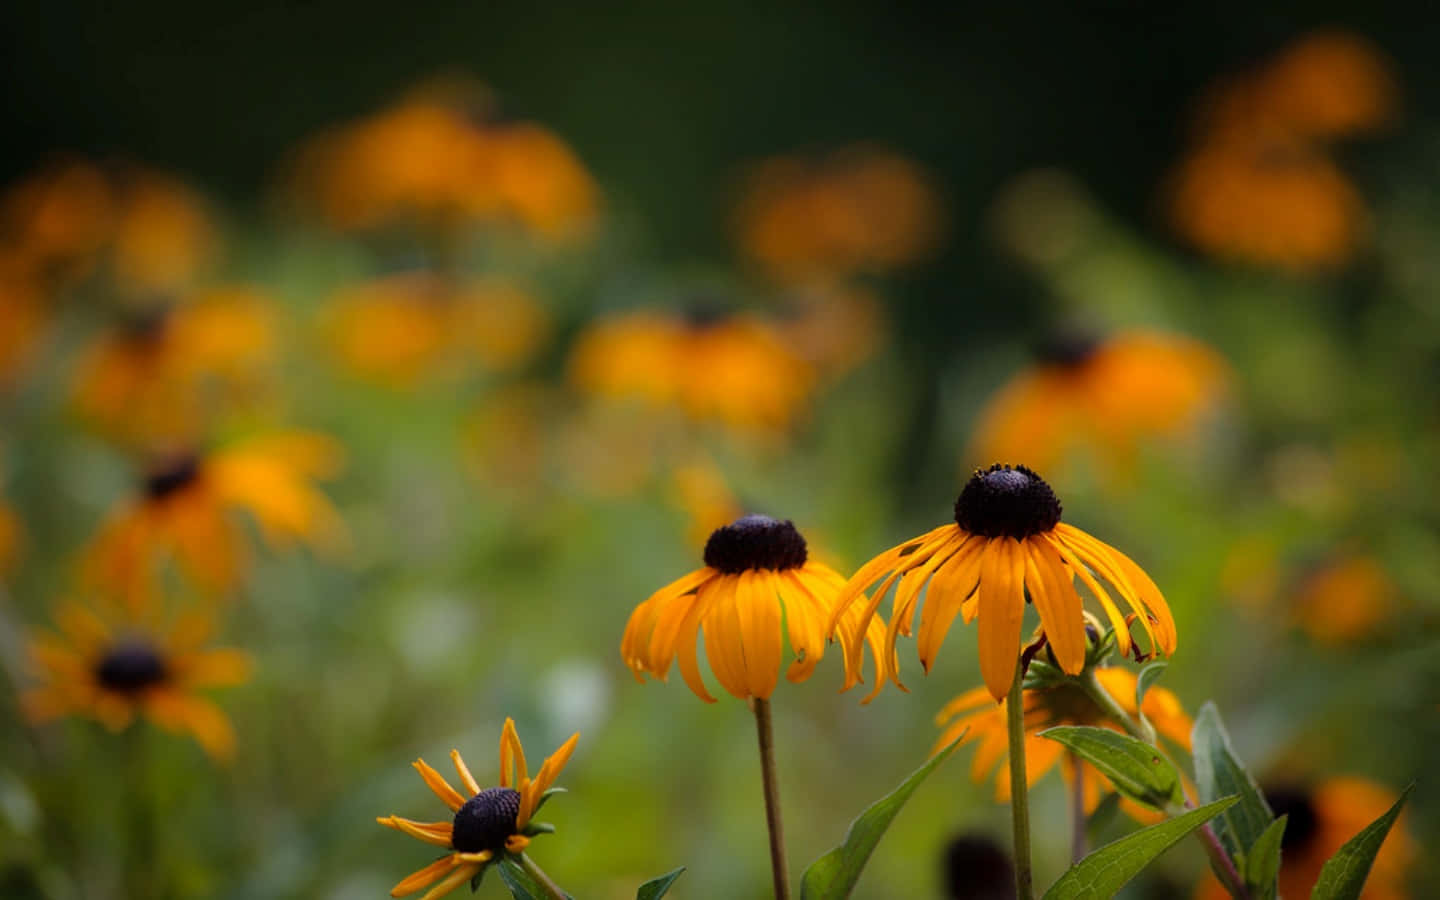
{"points": [[437, 783], [760, 627], [1059, 606], [463, 771], [1002, 607]]}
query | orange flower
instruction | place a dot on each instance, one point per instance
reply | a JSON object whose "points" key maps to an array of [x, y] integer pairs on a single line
{"points": [[56, 220], [24, 323], [162, 235], [1344, 600], [92, 668]]}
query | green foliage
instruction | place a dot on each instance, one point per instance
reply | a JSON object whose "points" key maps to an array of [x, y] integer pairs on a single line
{"points": [[656, 888], [1108, 869], [834, 875], [1344, 874], [1143, 682], [1138, 770], [522, 884], [1218, 772], [1262, 863]]}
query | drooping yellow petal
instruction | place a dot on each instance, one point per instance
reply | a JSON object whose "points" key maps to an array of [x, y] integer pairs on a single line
{"points": [[949, 588], [220, 667], [638, 639], [670, 615], [459, 876], [198, 716], [1097, 555], [909, 588], [437, 833], [1059, 606], [1002, 608], [686, 639], [437, 783], [872, 570], [422, 878], [803, 626], [760, 630], [1112, 612], [724, 643]]}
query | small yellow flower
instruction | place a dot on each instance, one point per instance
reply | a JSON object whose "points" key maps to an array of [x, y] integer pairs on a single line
{"points": [[1007, 541], [758, 586], [57, 219], [1062, 704], [183, 510], [1344, 599], [491, 822], [114, 674]]}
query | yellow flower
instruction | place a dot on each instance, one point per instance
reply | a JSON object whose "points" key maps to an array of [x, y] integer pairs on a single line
{"points": [[757, 581], [861, 208], [58, 219], [1106, 396], [184, 508], [162, 234], [1063, 704], [111, 674], [24, 322], [735, 370], [1344, 599], [1322, 818], [1007, 541], [402, 328], [491, 822]]}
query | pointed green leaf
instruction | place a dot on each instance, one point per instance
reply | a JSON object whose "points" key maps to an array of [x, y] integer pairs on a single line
{"points": [[1143, 682], [1219, 773], [833, 876], [1344, 874], [1262, 862], [1137, 770], [546, 796], [656, 888], [1102, 873], [521, 884]]}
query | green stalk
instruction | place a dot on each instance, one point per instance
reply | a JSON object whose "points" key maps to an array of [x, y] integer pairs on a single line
{"points": [[771, 784], [1019, 788], [541, 878]]}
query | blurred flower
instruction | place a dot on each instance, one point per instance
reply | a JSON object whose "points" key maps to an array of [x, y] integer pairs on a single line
{"points": [[12, 538], [859, 209], [506, 439], [757, 579], [57, 219], [1322, 818], [975, 867], [1106, 396], [184, 508], [1007, 539], [732, 369], [834, 328], [699, 489], [399, 329], [111, 674], [165, 370], [438, 160], [1343, 599], [24, 322], [491, 822], [1064, 703], [163, 235]]}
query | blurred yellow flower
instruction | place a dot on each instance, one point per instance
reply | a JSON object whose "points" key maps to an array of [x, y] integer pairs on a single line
{"points": [[758, 585], [488, 822], [112, 673], [400, 329], [1322, 818], [164, 373], [735, 370], [163, 236], [24, 323], [1344, 599], [861, 208], [1104, 396], [833, 327], [1063, 704], [699, 488], [57, 219], [506, 439], [184, 511], [12, 538], [1007, 540]]}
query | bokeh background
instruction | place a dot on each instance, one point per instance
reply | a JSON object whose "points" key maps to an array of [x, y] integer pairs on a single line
{"points": [[554, 292]]}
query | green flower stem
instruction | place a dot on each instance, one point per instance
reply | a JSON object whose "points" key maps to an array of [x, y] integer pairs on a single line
{"points": [[772, 798], [1078, 843], [1019, 788], [1142, 730], [541, 878]]}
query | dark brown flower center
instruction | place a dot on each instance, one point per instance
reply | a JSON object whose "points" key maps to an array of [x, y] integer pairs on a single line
{"points": [[486, 820], [170, 477], [755, 542], [1070, 349], [1303, 823], [1010, 501], [977, 868], [130, 667]]}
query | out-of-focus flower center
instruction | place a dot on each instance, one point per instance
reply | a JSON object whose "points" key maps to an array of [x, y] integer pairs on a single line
{"points": [[171, 477], [1303, 823], [1009, 501], [130, 667], [755, 542], [1068, 349], [486, 820], [977, 868]]}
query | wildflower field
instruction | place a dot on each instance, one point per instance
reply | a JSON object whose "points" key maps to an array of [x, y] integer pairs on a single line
{"points": [[720, 453]]}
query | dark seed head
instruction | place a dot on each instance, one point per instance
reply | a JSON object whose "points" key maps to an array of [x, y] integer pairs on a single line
{"points": [[1068, 349], [130, 667], [1303, 823], [148, 324], [486, 820], [170, 477], [1007, 500], [755, 542], [703, 311], [977, 868]]}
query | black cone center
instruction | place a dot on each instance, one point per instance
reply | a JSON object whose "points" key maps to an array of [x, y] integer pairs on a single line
{"points": [[486, 820], [755, 542], [130, 666], [1010, 501]]}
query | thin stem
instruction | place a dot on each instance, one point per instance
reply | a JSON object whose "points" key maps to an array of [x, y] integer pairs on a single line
{"points": [[772, 798], [1096, 691], [1079, 846], [1019, 788], [541, 878]]}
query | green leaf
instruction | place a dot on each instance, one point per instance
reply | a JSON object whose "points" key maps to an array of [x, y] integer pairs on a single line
{"points": [[1262, 862], [833, 876], [1143, 682], [1344, 874], [546, 796], [656, 888], [1137, 770], [1218, 773], [1102, 873], [520, 883]]}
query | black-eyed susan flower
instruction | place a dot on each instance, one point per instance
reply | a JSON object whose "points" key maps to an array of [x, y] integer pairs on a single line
{"points": [[1102, 397], [403, 328], [183, 513], [1344, 599], [736, 370], [114, 673], [980, 721], [1007, 543], [1322, 818], [758, 586], [162, 234], [487, 823]]}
